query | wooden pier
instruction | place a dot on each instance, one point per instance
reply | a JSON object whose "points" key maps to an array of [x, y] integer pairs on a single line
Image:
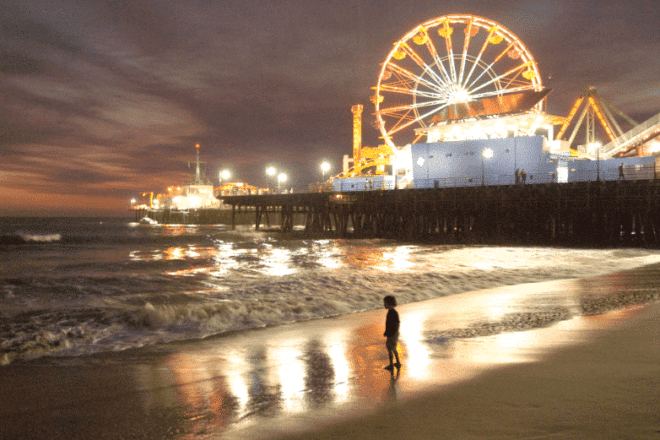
{"points": [[588, 214]]}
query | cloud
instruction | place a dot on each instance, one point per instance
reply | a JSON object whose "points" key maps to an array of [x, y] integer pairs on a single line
{"points": [[106, 98]]}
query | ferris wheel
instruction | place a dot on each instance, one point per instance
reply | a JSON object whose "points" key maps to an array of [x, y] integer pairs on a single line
{"points": [[450, 62]]}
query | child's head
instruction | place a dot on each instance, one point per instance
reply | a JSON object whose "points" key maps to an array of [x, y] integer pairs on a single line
{"points": [[389, 301]]}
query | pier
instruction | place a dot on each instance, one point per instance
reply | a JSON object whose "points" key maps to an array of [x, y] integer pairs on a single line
{"points": [[588, 214]]}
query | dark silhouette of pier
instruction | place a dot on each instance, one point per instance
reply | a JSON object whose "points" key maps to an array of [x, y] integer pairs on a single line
{"points": [[588, 214]]}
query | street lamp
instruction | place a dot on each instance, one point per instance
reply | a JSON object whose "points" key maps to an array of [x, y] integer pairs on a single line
{"points": [[325, 167], [224, 175], [270, 172], [281, 178], [485, 153], [597, 146]]}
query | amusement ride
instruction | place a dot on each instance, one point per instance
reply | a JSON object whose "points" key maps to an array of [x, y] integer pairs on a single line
{"points": [[460, 77]]}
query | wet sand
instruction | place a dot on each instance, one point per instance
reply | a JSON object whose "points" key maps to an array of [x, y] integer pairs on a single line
{"points": [[513, 362]]}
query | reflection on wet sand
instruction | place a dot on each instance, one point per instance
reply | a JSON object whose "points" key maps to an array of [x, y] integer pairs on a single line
{"points": [[272, 381], [249, 384]]}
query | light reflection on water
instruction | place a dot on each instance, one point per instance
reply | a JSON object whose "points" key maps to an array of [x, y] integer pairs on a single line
{"points": [[269, 260]]}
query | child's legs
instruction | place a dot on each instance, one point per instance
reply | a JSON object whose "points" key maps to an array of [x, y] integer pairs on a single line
{"points": [[391, 345]]}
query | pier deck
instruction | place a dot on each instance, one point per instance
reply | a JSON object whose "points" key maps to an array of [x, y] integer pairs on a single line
{"points": [[570, 214]]}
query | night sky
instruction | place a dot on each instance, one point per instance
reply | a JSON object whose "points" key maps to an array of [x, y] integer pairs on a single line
{"points": [[101, 100]]}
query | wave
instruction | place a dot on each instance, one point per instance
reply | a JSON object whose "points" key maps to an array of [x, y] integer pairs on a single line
{"points": [[25, 238], [103, 323]]}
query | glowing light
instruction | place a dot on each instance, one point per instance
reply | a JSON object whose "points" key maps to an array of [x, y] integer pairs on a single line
{"points": [[488, 153], [655, 147], [225, 174], [399, 54], [282, 177], [271, 171], [421, 37], [194, 201], [376, 99], [529, 74], [445, 30], [460, 95]]}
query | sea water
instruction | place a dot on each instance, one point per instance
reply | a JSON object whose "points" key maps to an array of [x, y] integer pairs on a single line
{"points": [[77, 286]]}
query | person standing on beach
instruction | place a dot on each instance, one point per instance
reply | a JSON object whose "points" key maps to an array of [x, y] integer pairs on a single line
{"points": [[392, 331]]}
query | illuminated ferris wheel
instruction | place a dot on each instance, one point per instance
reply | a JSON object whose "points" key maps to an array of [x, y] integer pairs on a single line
{"points": [[452, 68]]}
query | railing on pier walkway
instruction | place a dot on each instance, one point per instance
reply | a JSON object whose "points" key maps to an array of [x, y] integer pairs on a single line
{"points": [[630, 172]]}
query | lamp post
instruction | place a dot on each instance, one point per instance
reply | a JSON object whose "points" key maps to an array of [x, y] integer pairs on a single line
{"points": [[224, 175], [597, 146], [270, 172], [281, 178], [325, 167], [485, 153]]}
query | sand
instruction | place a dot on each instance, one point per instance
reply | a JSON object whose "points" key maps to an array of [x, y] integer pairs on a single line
{"points": [[608, 389], [476, 365]]}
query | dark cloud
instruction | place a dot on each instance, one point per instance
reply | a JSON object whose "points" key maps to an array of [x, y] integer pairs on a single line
{"points": [[21, 64]]}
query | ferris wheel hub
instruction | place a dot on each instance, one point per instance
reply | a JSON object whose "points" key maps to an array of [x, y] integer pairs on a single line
{"points": [[458, 95]]}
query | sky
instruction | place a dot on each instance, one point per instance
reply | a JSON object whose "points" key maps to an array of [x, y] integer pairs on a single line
{"points": [[103, 99]]}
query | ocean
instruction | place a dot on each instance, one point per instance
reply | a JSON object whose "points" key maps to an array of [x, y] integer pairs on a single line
{"points": [[79, 286]]}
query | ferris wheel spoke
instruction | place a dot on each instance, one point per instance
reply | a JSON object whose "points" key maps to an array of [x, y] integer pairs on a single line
{"points": [[417, 119], [517, 81], [425, 67], [411, 76], [409, 91], [492, 93], [450, 59], [446, 79], [466, 45], [406, 108], [477, 60], [497, 78], [490, 66]]}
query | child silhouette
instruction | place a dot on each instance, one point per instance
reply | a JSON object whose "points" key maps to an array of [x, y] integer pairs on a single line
{"points": [[391, 331]]}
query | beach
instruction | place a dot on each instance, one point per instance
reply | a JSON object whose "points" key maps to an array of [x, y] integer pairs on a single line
{"points": [[558, 359], [606, 389]]}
